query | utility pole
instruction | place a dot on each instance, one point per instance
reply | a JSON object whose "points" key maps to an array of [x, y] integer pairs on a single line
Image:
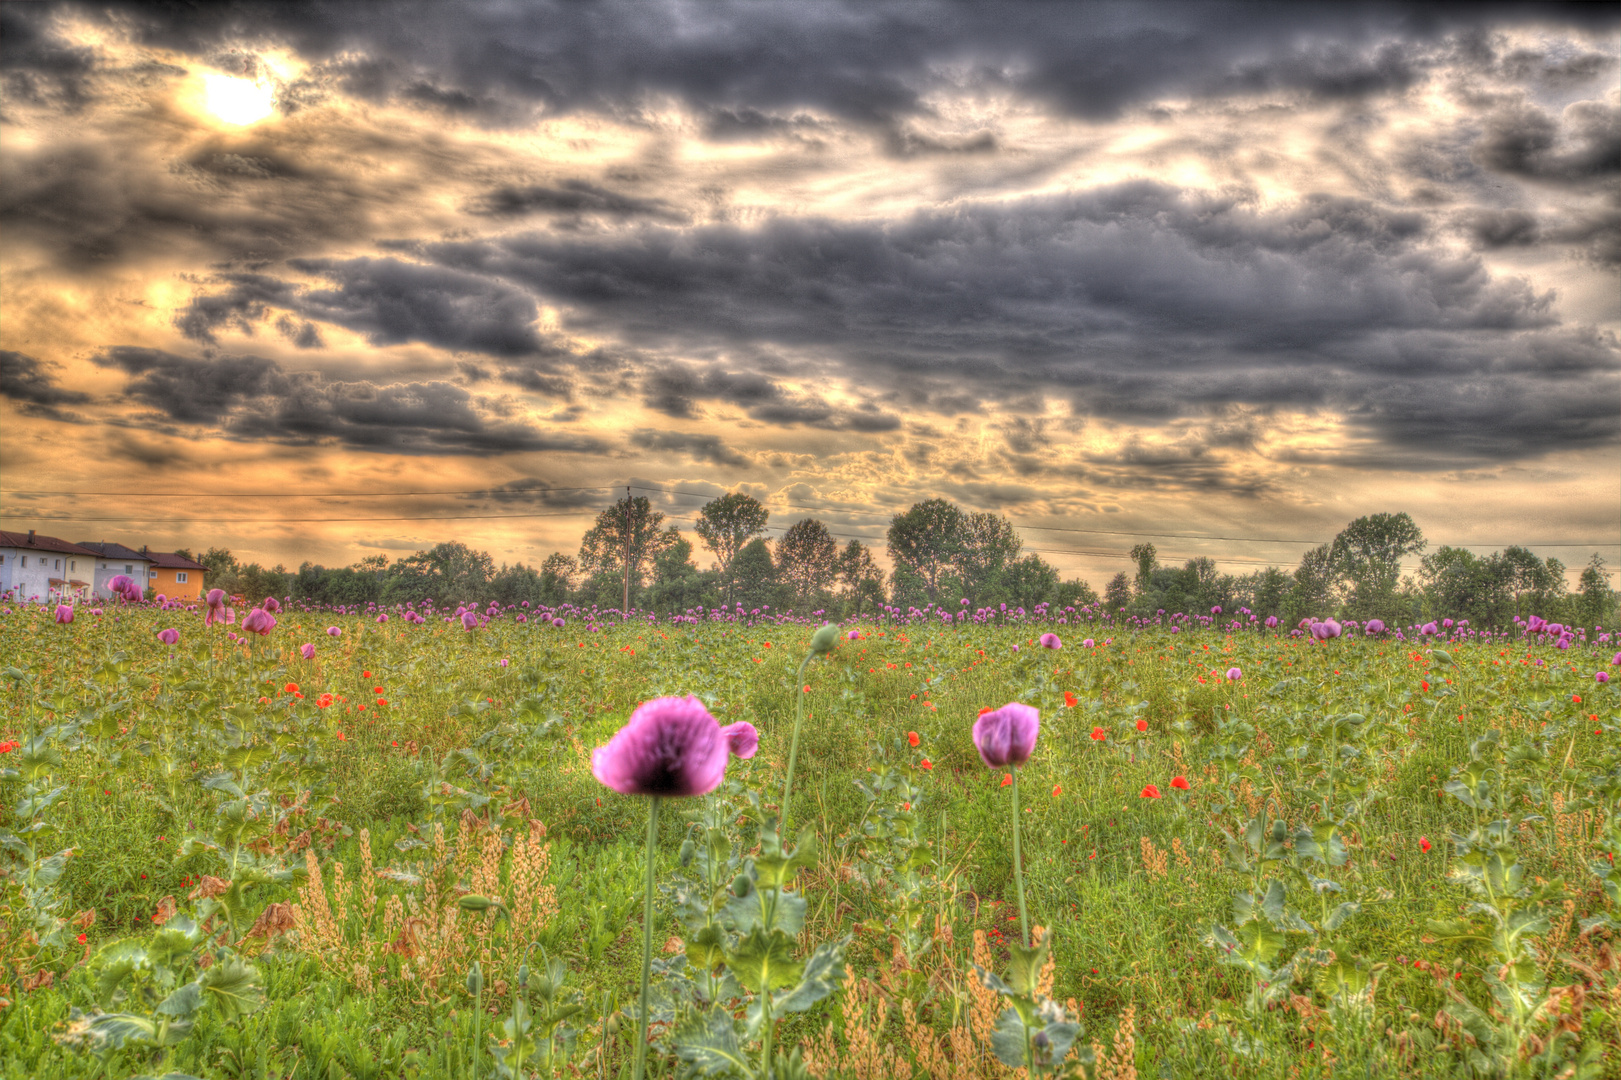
{"points": [[626, 608]]}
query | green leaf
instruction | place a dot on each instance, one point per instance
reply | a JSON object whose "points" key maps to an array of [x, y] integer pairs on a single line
{"points": [[821, 977], [233, 986], [707, 948], [708, 1042], [1337, 917], [185, 1000], [1025, 964], [765, 960], [1009, 1040]]}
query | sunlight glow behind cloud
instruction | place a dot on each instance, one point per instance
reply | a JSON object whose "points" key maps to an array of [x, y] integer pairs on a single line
{"points": [[238, 101]]}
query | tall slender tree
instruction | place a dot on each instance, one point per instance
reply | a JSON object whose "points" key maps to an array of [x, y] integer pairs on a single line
{"points": [[807, 558], [624, 539], [725, 525], [926, 541]]}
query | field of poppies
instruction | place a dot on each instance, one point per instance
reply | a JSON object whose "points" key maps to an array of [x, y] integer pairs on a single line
{"points": [[415, 843]]}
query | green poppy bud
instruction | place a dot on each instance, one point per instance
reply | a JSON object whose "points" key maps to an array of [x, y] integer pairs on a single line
{"points": [[475, 979], [822, 642], [688, 850], [742, 886]]}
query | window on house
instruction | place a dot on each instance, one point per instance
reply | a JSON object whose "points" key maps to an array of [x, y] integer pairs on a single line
{"points": [[152, 573], [180, 577], [129, 568], [58, 565], [25, 560], [73, 564]]}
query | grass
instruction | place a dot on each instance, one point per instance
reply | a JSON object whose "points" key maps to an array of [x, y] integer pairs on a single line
{"points": [[1130, 889]]}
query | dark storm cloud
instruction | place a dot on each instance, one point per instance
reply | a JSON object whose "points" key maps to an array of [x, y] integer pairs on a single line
{"points": [[573, 197], [707, 448], [29, 382], [871, 63], [1580, 146], [253, 399], [1138, 301]]}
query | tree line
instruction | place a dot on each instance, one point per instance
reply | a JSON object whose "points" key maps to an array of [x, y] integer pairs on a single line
{"points": [[944, 555]]}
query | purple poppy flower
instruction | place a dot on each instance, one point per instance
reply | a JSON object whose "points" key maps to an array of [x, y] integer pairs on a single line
{"points": [[741, 739], [272, 605], [1088, 644], [469, 620], [1216, 610], [333, 631], [1007, 736], [259, 621], [669, 747], [1601, 676], [307, 651], [1373, 626], [854, 635], [169, 636], [64, 613], [1271, 622], [1050, 641], [558, 622], [1234, 674]]}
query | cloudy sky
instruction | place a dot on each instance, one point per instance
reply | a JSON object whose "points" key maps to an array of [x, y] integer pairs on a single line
{"points": [[1127, 270]]}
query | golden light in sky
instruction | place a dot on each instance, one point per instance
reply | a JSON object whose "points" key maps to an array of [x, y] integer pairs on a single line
{"points": [[237, 101]]}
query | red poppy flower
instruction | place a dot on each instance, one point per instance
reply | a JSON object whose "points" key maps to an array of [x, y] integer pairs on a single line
{"points": [[1150, 792], [1007, 778], [1423, 843], [1142, 725], [377, 689], [342, 737], [82, 939], [365, 674], [911, 737], [1424, 683], [1098, 734], [1070, 699], [1180, 783], [290, 688], [983, 709], [927, 764], [1057, 790]]}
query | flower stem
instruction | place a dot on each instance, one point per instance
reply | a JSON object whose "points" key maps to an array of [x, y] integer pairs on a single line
{"points": [[647, 936], [793, 745], [1018, 868]]}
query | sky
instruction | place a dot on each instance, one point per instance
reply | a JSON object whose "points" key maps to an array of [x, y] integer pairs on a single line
{"points": [[317, 282]]}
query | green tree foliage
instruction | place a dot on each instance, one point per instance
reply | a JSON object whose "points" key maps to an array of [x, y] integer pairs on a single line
{"points": [[557, 577], [1117, 595], [1313, 592], [677, 583], [1027, 582], [807, 560], [628, 533], [754, 576], [1366, 560], [1147, 560], [860, 581], [926, 541], [1597, 598], [725, 525], [1460, 584], [450, 572], [987, 549]]}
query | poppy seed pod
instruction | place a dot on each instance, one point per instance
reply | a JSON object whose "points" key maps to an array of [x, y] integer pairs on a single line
{"points": [[822, 642]]}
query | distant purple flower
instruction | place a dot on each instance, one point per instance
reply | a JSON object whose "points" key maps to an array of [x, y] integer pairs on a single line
{"points": [[1234, 674], [558, 622], [669, 747], [1088, 644], [1007, 736], [307, 651], [333, 631], [505, 662], [1050, 641], [169, 636], [854, 635], [1535, 624], [1601, 676], [1216, 610], [469, 620], [1271, 622], [741, 739], [64, 613], [272, 605], [1373, 626], [1616, 659]]}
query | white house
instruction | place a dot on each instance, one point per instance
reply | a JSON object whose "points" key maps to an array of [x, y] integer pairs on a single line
{"points": [[43, 568], [115, 559]]}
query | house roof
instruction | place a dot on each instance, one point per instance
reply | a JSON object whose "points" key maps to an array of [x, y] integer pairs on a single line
{"points": [[114, 551], [31, 541], [168, 560]]}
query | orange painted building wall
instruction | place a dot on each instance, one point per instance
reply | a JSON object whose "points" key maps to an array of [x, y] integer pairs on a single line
{"points": [[163, 580]]}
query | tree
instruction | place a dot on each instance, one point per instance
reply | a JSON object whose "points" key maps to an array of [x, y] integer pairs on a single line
{"points": [[1265, 591], [1074, 593], [1117, 594], [859, 578], [1459, 584], [1366, 558], [557, 577], [807, 559], [1147, 560], [624, 539], [1028, 581], [926, 540], [1313, 593], [725, 525], [1537, 585], [987, 547], [1597, 598], [677, 583], [755, 575], [445, 573]]}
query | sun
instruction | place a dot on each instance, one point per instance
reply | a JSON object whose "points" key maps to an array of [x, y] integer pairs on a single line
{"points": [[237, 101]]}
